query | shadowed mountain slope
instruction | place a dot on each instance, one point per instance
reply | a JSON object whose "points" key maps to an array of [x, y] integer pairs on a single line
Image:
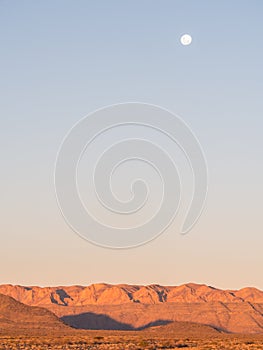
{"points": [[15, 315]]}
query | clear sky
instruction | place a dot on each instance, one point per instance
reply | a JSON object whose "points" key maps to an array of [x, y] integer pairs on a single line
{"points": [[61, 60]]}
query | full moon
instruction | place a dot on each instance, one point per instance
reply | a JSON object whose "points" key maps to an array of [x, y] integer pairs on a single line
{"points": [[186, 39]]}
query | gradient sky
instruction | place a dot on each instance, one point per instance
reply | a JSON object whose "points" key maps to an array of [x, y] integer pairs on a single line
{"points": [[60, 60]]}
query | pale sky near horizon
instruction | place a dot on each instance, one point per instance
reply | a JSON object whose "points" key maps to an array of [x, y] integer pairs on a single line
{"points": [[60, 60]]}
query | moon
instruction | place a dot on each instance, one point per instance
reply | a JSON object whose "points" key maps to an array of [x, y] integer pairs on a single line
{"points": [[186, 39]]}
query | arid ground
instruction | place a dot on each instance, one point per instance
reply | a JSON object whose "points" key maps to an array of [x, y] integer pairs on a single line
{"points": [[129, 340]]}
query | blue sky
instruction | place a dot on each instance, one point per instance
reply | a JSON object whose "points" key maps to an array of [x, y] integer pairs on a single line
{"points": [[60, 60]]}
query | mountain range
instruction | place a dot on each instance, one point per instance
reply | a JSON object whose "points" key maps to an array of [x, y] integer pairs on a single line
{"points": [[123, 306]]}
